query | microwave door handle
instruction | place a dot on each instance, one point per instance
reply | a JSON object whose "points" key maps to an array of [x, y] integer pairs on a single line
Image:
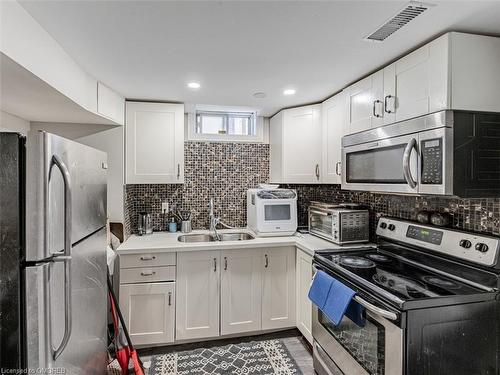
{"points": [[375, 309], [406, 163], [66, 256]]}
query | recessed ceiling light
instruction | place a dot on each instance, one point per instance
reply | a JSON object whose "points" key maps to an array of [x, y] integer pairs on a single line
{"points": [[259, 95], [289, 91], [194, 85]]}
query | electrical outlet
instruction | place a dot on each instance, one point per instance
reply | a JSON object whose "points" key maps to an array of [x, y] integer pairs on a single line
{"points": [[164, 207]]}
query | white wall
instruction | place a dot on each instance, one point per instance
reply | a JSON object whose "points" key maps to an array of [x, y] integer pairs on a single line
{"points": [[105, 139], [11, 123], [111, 141]]}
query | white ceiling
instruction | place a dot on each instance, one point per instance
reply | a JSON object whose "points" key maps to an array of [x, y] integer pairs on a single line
{"points": [[150, 50]]}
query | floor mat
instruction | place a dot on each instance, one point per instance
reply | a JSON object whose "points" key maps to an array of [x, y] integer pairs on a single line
{"points": [[253, 358]]}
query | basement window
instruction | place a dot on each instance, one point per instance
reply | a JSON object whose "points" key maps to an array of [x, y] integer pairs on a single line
{"points": [[225, 126], [223, 123]]}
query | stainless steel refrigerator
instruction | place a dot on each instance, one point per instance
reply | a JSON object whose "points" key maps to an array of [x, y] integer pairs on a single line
{"points": [[53, 293]]}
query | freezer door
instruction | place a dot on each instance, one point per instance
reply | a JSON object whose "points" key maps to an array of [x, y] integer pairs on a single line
{"points": [[59, 169], [47, 311]]}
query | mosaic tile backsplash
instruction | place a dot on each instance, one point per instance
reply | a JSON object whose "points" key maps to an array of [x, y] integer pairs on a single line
{"points": [[478, 215], [222, 171]]}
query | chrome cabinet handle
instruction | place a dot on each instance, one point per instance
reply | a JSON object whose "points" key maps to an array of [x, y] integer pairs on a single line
{"points": [[386, 105], [406, 163], [225, 263], [375, 309], [150, 273], [66, 257], [170, 298], [267, 261], [375, 109], [145, 258], [337, 168], [215, 264], [317, 171], [178, 171]]}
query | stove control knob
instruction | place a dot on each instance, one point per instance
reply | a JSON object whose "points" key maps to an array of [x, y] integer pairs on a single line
{"points": [[383, 225], [465, 244], [391, 227], [482, 247]]}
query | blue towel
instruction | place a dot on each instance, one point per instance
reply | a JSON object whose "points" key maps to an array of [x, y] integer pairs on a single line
{"points": [[356, 313], [334, 299], [338, 299], [320, 288]]}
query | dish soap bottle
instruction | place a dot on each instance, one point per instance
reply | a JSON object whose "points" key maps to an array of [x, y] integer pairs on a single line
{"points": [[172, 226]]}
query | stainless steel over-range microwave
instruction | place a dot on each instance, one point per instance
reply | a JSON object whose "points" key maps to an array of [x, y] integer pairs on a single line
{"points": [[454, 153]]}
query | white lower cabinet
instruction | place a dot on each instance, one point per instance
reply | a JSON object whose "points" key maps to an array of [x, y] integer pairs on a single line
{"points": [[278, 288], [241, 291], [149, 312], [198, 294], [304, 305]]}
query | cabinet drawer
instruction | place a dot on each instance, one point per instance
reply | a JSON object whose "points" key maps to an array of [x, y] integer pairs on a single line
{"points": [[147, 260], [147, 275]]}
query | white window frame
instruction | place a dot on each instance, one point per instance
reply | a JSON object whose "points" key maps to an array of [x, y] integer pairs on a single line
{"points": [[192, 135]]}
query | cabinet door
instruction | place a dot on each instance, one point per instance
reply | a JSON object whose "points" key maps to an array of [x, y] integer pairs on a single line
{"points": [[304, 305], [278, 292], [359, 106], [421, 80], [302, 144], [154, 143], [149, 312], [241, 291], [197, 308], [333, 118]]}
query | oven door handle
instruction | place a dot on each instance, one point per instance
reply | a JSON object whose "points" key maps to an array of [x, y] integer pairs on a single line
{"points": [[375, 309], [406, 163], [320, 212]]}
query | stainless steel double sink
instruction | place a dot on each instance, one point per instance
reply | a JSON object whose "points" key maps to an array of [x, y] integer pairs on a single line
{"points": [[237, 236]]}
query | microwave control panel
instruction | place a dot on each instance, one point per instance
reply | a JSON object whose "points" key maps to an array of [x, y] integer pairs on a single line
{"points": [[432, 161]]}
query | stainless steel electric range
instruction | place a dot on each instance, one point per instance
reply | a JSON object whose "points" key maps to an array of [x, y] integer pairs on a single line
{"points": [[431, 299]]}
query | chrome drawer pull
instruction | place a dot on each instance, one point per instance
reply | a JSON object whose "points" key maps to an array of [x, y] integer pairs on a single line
{"points": [[170, 298], [148, 258], [150, 273]]}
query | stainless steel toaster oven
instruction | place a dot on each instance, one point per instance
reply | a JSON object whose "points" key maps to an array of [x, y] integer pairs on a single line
{"points": [[339, 224]]}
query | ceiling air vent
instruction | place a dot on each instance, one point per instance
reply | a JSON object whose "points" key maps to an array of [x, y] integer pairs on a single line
{"points": [[403, 17]]}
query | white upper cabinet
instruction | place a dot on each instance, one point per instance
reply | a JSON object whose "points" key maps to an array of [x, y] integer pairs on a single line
{"points": [[333, 115], [455, 71], [420, 81], [365, 107], [296, 145], [154, 144], [110, 104], [241, 291]]}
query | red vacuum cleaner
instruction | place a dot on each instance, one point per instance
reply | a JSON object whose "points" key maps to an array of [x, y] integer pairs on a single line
{"points": [[124, 349]]}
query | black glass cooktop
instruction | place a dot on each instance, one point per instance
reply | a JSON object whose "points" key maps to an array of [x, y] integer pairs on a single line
{"points": [[399, 278]]}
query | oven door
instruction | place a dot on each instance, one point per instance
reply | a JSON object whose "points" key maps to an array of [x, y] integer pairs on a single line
{"points": [[321, 223], [387, 165], [377, 348]]}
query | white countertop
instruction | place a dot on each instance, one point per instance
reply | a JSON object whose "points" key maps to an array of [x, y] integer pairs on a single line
{"points": [[168, 242]]}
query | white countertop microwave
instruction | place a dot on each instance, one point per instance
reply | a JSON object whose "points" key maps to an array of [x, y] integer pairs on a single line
{"points": [[272, 212]]}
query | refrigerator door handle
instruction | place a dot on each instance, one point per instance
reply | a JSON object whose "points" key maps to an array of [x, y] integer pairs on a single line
{"points": [[56, 160], [66, 256]]}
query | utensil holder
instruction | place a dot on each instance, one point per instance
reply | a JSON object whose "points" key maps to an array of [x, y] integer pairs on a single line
{"points": [[186, 226]]}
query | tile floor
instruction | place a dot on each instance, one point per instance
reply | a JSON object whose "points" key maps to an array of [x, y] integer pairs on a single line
{"points": [[297, 346]]}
